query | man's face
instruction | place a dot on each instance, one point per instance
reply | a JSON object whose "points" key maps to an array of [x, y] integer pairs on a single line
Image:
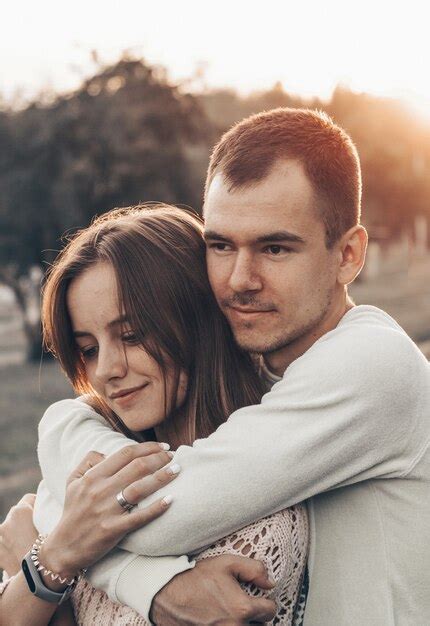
{"points": [[268, 264]]}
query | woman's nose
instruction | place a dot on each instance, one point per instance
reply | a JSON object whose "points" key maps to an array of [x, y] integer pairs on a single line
{"points": [[111, 363]]}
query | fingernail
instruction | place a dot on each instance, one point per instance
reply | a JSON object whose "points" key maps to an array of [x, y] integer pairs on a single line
{"points": [[271, 580], [171, 454], [174, 468], [167, 500], [164, 446]]}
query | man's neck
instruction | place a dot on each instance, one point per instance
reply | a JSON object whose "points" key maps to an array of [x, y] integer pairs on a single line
{"points": [[277, 362]]}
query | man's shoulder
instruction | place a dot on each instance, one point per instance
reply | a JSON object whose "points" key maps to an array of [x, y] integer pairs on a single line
{"points": [[371, 318], [370, 334], [367, 349]]}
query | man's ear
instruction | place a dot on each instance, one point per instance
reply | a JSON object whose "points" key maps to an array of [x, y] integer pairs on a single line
{"points": [[352, 253]]}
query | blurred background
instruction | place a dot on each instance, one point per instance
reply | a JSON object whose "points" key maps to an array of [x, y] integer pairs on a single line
{"points": [[105, 104]]}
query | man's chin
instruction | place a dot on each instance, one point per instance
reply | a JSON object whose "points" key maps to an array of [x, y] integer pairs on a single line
{"points": [[251, 342]]}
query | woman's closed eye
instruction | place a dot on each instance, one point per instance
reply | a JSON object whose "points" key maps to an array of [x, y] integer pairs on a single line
{"points": [[129, 337], [88, 352]]}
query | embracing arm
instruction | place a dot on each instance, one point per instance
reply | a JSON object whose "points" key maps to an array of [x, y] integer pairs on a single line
{"points": [[91, 524], [336, 418], [330, 422], [126, 577], [19, 606]]}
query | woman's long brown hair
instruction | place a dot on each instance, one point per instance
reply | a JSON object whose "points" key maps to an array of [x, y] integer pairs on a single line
{"points": [[158, 255]]}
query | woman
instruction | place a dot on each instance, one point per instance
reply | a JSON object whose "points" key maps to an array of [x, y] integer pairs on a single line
{"points": [[128, 311]]}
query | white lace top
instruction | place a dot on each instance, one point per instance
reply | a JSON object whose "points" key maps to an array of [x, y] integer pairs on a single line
{"points": [[279, 540]]}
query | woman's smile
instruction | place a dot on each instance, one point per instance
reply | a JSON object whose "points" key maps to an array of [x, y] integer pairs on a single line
{"points": [[125, 397]]}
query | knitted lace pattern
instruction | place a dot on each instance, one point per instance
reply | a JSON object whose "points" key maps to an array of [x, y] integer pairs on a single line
{"points": [[280, 541]]}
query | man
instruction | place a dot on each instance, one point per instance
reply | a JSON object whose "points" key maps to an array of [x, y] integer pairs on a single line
{"points": [[347, 421]]}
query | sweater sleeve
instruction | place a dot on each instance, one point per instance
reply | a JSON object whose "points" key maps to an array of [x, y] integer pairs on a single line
{"points": [[126, 577], [349, 409], [354, 407]]}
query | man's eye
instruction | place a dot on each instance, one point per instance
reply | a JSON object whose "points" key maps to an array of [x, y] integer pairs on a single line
{"points": [[219, 247], [276, 250]]}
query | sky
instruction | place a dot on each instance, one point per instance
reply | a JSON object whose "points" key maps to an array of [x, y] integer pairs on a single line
{"points": [[379, 47]]}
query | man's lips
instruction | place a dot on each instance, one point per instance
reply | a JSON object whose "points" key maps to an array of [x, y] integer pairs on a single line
{"points": [[247, 311]]}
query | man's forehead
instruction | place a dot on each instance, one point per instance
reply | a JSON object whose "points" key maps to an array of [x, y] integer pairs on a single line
{"points": [[284, 200], [286, 185]]}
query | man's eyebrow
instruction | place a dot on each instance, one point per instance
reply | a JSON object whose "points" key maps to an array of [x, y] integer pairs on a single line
{"points": [[278, 236], [120, 320], [212, 234]]}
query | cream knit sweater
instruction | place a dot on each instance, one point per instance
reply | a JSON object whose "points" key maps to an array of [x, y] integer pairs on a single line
{"points": [[280, 541], [348, 426]]}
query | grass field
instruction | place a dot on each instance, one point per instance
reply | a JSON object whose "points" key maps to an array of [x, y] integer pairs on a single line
{"points": [[25, 392]]}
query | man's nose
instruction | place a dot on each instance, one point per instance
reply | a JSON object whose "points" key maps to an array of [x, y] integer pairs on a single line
{"points": [[245, 275], [111, 363]]}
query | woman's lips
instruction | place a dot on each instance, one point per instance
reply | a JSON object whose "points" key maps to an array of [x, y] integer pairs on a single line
{"points": [[128, 395]]}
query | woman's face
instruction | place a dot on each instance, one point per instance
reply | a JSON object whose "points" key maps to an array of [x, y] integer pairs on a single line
{"points": [[120, 370]]}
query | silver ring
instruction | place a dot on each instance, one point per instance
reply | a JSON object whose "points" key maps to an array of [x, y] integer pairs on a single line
{"points": [[123, 502]]}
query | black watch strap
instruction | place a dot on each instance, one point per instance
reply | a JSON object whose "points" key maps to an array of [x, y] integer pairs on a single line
{"points": [[37, 586]]}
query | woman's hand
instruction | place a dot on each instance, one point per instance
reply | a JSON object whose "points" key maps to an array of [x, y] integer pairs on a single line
{"points": [[93, 521], [17, 534]]}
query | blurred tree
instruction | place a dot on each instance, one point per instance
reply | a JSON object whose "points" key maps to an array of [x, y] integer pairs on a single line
{"points": [[126, 136], [394, 147]]}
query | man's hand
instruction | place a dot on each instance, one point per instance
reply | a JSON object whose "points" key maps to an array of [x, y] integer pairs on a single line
{"points": [[211, 594]]}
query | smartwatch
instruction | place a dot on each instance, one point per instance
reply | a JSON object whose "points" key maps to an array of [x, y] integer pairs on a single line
{"points": [[37, 586]]}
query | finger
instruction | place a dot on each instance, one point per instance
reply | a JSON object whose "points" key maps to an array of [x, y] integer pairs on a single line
{"points": [[139, 468], [89, 461], [25, 503], [251, 571], [116, 461], [141, 489], [262, 610], [28, 498], [137, 518]]}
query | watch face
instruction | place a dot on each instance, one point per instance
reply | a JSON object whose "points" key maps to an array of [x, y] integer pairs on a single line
{"points": [[28, 576]]}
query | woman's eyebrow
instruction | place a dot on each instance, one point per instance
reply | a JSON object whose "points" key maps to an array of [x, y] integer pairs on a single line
{"points": [[81, 333], [122, 319], [116, 322]]}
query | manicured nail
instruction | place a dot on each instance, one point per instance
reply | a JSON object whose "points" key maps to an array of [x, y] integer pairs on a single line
{"points": [[164, 446], [167, 500], [174, 468]]}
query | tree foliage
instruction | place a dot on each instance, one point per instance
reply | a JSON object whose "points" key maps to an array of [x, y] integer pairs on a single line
{"points": [[127, 136], [394, 147]]}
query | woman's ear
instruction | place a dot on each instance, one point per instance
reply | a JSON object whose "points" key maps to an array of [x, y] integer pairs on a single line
{"points": [[352, 251]]}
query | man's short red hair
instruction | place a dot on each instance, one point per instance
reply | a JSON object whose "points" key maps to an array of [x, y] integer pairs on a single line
{"points": [[247, 152]]}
